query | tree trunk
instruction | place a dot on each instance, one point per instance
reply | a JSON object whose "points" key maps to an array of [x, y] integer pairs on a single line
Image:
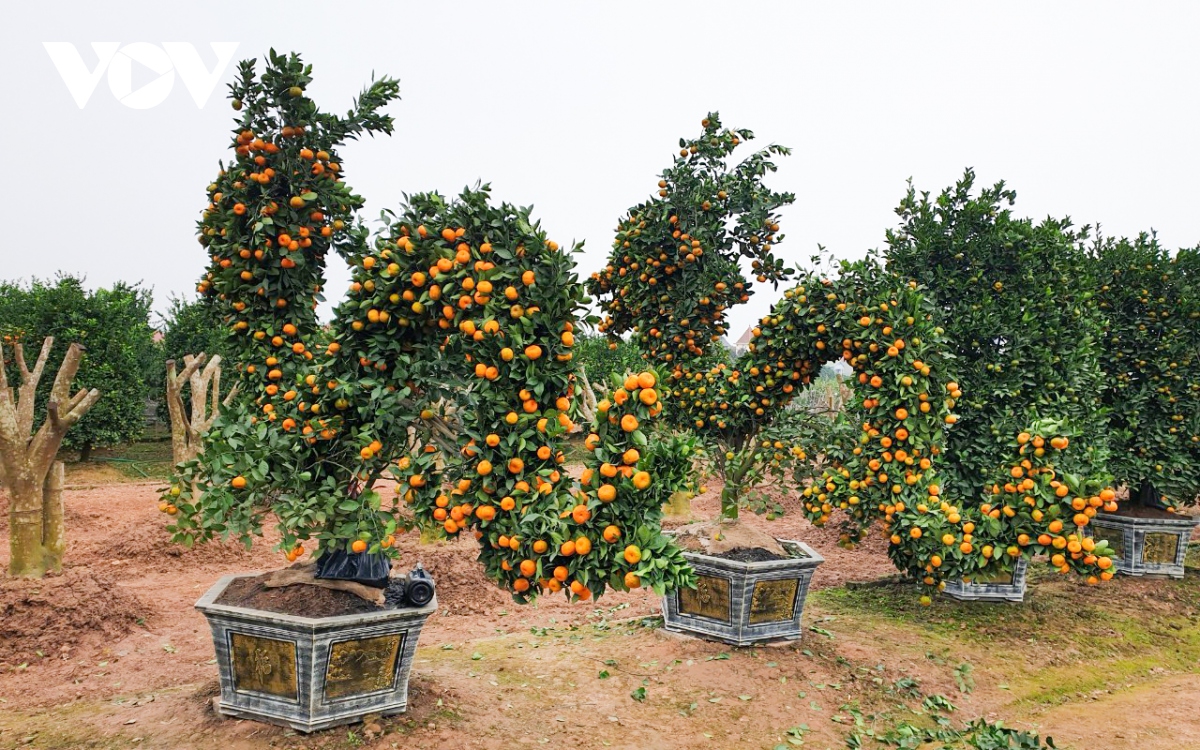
{"points": [[679, 505], [85, 452], [27, 552], [730, 500], [187, 430], [587, 403], [53, 537]]}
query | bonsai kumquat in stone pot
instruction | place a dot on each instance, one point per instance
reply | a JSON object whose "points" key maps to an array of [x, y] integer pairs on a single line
{"points": [[674, 272], [1147, 534], [1034, 508], [448, 369], [1151, 360]]}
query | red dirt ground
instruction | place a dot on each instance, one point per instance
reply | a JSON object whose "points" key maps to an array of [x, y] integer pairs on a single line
{"points": [[116, 535], [115, 642]]}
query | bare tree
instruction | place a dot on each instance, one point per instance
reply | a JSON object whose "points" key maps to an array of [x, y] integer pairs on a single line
{"points": [[187, 430], [587, 401], [28, 465]]}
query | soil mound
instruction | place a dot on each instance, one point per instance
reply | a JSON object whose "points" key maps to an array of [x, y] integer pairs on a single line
{"points": [[155, 546], [462, 586], [76, 609]]}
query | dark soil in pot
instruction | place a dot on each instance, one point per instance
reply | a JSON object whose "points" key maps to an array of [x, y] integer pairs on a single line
{"points": [[1132, 510], [300, 600], [750, 554], [726, 538]]}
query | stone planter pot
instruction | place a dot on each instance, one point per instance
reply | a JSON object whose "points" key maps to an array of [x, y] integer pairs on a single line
{"points": [[311, 673], [1009, 587], [1145, 546], [744, 603]]}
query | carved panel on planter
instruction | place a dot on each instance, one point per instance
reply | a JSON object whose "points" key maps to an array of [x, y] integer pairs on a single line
{"points": [[1160, 548], [264, 665], [362, 666], [773, 601], [1115, 537], [709, 599]]}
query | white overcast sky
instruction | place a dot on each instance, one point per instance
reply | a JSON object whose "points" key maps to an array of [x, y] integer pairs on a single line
{"points": [[1087, 109]]}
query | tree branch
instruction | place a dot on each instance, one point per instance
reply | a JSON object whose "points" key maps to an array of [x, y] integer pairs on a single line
{"points": [[12, 441], [199, 380], [212, 374], [40, 365], [61, 390], [175, 411], [19, 355], [80, 404], [190, 365], [75, 401], [27, 393], [4, 375], [45, 444]]}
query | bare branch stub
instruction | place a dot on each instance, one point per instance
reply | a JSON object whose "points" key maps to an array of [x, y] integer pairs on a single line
{"points": [[80, 404], [19, 357], [43, 357], [5, 389], [66, 373]]}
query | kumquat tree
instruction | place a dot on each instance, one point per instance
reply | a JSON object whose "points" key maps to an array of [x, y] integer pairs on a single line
{"points": [[673, 274], [1018, 303], [676, 269], [1035, 509], [448, 368], [1151, 361]]}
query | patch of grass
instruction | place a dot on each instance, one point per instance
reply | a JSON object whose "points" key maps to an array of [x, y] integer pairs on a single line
{"points": [[138, 462], [447, 715], [1067, 639], [573, 449], [1055, 608], [70, 726], [1058, 685]]}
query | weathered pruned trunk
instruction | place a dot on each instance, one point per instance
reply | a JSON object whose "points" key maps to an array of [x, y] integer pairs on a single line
{"points": [[187, 430], [587, 403], [28, 555], [27, 459], [679, 505], [53, 528]]}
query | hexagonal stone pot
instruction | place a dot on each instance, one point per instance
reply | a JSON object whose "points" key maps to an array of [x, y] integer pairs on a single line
{"points": [[744, 603], [1154, 545], [1008, 587], [310, 673]]}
